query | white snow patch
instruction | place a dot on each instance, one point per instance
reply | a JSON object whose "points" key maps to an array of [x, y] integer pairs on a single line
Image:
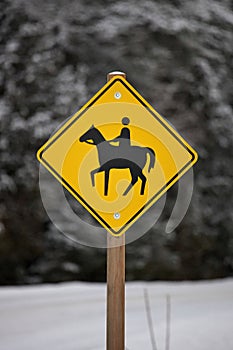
{"points": [[72, 316]]}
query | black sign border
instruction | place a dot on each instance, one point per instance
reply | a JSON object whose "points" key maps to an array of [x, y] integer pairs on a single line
{"points": [[40, 155]]}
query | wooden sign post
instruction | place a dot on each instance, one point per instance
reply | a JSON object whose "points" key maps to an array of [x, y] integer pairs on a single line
{"points": [[115, 330]]}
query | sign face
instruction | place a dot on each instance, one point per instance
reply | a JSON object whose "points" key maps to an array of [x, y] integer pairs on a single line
{"points": [[117, 156]]}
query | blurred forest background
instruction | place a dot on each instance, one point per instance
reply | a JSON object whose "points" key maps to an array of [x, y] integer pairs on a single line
{"points": [[54, 56]]}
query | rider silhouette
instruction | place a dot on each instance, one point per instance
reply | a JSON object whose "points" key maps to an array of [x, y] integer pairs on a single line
{"points": [[125, 156], [124, 137]]}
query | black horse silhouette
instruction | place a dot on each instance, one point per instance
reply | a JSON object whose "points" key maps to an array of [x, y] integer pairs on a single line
{"points": [[119, 157]]}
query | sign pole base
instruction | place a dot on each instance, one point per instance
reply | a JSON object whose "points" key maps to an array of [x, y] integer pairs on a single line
{"points": [[116, 294]]}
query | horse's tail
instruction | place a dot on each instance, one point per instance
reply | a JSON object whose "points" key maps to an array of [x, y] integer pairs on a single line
{"points": [[151, 152]]}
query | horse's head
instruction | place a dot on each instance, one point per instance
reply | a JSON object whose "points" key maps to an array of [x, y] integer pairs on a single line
{"points": [[89, 136]]}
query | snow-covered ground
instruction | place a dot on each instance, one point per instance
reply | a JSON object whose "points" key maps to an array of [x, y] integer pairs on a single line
{"points": [[72, 316]]}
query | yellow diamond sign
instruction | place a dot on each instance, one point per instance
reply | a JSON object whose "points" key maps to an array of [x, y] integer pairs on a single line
{"points": [[117, 156]]}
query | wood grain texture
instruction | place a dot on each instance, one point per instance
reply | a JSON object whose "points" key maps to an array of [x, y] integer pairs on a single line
{"points": [[116, 295]]}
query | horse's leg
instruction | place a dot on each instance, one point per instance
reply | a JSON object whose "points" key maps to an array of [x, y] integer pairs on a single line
{"points": [[106, 181], [134, 175], [143, 178], [93, 172]]}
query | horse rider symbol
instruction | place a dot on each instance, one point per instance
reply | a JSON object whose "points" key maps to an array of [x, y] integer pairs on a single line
{"points": [[123, 156]]}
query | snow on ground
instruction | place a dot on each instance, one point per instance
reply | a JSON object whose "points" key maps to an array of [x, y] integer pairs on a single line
{"points": [[72, 316]]}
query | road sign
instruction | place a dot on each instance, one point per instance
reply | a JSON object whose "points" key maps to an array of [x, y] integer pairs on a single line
{"points": [[117, 156]]}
